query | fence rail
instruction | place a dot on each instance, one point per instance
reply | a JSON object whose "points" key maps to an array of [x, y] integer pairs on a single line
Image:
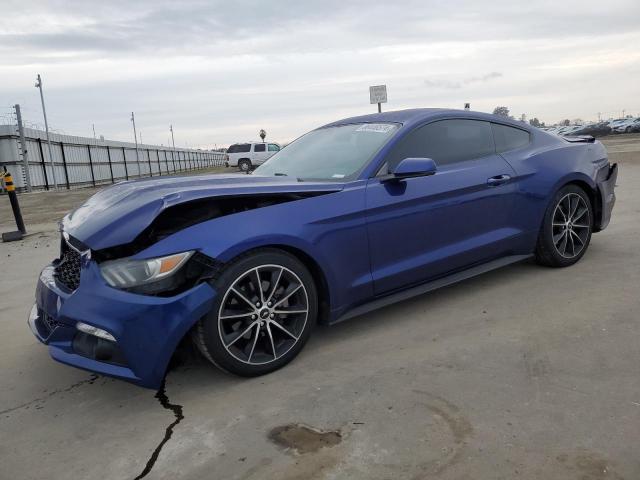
{"points": [[81, 162]]}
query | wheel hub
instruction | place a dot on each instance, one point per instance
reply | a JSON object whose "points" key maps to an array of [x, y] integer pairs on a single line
{"points": [[571, 225], [262, 314]]}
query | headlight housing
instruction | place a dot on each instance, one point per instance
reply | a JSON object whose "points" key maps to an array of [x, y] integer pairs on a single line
{"points": [[151, 276]]}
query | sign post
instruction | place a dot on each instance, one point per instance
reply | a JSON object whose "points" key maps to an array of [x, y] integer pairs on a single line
{"points": [[378, 94]]}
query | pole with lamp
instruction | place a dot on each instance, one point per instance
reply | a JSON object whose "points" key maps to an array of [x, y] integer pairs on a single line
{"points": [[46, 127], [135, 137]]}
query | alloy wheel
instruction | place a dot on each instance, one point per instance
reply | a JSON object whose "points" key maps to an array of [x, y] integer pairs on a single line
{"points": [[571, 225], [262, 314]]}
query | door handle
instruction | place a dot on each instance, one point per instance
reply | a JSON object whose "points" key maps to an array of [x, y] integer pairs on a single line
{"points": [[498, 180]]}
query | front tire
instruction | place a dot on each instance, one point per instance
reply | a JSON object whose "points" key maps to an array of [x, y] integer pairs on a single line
{"points": [[263, 314], [566, 229]]}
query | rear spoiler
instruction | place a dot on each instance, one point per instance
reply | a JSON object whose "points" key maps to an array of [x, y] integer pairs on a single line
{"points": [[580, 139]]}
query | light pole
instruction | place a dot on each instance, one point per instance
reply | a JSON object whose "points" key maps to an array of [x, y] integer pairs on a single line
{"points": [[46, 127], [173, 142], [135, 137], [173, 154]]}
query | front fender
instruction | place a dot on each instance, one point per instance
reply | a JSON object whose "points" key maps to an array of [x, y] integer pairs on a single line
{"points": [[330, 229]]}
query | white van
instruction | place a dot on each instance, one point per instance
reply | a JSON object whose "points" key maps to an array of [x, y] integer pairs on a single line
{"points": [[249, 155]]}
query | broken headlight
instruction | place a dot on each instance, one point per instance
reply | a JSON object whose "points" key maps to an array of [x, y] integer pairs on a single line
{"points": [[150, 276]]}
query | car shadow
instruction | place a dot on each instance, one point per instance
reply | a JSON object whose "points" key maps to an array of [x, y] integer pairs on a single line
{"points": [[192, 371]]}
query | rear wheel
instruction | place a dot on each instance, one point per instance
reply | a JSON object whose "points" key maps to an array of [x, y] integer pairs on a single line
{"points": [[244, 165], [263, 315], [566, 229]]}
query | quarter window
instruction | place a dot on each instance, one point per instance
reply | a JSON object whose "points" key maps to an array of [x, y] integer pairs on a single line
{"points": [[509, 138], [259, 147], [445, 141]]}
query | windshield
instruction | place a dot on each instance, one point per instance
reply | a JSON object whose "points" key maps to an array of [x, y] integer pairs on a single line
{"points": [[332, 153]]}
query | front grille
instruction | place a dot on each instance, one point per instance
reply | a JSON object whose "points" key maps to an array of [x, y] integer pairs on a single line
{"points": [[67, 271]]}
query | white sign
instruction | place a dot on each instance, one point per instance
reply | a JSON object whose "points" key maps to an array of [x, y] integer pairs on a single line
{"points": [[378, 94]]}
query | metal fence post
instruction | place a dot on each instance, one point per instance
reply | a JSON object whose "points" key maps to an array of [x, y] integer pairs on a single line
{"points": [[44, 168], [93, 177], [149, 161], [110, 167], [64, 165], [124, 158]]}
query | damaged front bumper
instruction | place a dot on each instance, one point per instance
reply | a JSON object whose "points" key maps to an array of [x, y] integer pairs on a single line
{"points": [[145, 329]]}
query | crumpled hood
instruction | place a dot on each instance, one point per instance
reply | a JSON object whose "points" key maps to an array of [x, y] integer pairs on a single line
{"points": [[117, 214]]}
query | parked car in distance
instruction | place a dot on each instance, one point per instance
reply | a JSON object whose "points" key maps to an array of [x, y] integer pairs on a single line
{"points": [[627, 126], [571, 130], [614, 123], [352, 216], [246, 156], [599, 129]]}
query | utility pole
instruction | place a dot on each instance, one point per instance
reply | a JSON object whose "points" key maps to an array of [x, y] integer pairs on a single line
{"points": [[135, 137], [46, 127], [93, 125], [23, 148], [599, 113], [173, 142], [173, 154]]}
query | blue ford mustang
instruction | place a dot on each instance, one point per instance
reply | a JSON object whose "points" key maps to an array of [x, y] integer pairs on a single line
{"points": [[354, 215]]}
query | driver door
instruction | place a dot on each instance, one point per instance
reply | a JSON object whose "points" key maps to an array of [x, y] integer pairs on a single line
{"points": [[426, 227]]}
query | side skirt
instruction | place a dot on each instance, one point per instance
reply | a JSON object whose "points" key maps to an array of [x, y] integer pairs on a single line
{"points": [[390, 299]]}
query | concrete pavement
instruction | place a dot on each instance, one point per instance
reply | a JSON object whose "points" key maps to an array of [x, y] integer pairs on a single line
{"points": [[525, 372]]}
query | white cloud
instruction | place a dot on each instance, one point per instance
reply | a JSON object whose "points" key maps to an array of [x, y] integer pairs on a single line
{"points": [[219, 71]]}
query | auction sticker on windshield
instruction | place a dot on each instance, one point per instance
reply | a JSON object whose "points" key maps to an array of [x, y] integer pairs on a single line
{"points": [[375, 127]]}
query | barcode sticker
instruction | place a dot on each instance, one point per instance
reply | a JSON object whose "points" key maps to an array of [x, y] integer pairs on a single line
{"points": [[375, 127]]}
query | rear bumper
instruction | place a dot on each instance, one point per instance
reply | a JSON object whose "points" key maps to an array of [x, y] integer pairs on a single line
{"points": [[607, 195], [146, 329]]}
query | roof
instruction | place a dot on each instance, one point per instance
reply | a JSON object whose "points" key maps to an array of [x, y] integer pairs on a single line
{"points": [[419, 115]]}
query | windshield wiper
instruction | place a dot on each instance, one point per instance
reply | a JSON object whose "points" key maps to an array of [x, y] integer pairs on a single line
{"points": [[280, 174]]}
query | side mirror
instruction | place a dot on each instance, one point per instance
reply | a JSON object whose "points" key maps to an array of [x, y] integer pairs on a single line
{"points": [[413, 167]]}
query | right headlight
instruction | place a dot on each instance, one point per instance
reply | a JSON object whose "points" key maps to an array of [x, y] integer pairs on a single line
{"points": [[127, 273]]}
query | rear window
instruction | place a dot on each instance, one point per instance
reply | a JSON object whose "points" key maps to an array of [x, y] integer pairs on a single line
{"points": [[259, 147], [239, 148], [509, 138]]}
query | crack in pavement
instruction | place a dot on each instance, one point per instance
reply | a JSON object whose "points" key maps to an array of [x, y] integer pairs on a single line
{"points": [[161, 395], [89, 381]]}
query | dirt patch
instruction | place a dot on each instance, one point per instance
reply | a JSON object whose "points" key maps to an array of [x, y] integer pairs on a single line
{"points": [[304, 439], [590, 466]]}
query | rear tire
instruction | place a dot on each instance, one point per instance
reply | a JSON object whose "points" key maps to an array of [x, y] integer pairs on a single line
{"points": [[262, 316], [244, 165], [566, 229]]}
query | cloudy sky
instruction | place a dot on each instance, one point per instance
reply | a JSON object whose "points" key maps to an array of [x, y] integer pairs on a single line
{"points": [[220, 71]]}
